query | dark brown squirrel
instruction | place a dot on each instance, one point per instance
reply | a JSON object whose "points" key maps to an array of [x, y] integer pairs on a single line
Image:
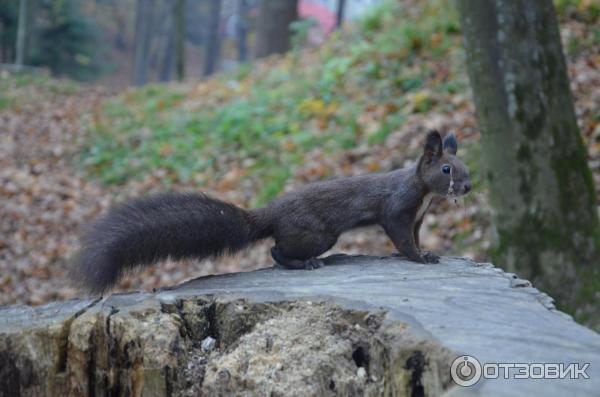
{"points": [[304, 223]]}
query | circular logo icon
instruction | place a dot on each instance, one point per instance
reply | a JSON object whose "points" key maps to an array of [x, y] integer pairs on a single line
{"points": [[465, 370]]}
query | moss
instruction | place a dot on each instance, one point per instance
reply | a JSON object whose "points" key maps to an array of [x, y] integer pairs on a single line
{"points": [[583, 309], [526, 186], [543, 192], [534, 237], [524, 153], [567, 166], [530, 114], [519, 240]]}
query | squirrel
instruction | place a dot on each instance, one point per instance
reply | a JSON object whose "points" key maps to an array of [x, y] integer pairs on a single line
{"points": [[304, 223]]}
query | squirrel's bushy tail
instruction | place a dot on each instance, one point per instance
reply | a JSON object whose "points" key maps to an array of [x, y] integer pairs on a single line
{"points": [[147, 230]]}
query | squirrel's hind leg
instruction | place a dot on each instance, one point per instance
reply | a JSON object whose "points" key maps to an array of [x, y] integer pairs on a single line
{"points": [[296, 264]]}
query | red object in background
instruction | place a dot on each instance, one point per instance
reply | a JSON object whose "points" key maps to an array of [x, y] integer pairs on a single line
{"points": [[324, 17]]}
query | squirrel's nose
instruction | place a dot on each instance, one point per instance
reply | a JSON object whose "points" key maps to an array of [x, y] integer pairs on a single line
{"points": [[467, 187]]}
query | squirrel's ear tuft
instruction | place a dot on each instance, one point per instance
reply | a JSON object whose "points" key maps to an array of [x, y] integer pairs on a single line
{"points": [[450, 144], [433, 146]]}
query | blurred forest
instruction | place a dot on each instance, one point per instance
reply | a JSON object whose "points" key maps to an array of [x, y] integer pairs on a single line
{"points": [[140, 41], [298, 91]]}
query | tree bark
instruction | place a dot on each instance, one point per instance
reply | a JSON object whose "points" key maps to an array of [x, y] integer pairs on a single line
{"points": [[121, 42], [21, 34], [180, 36], [339, 15], [241, 30], [166, 67], [143, 38], [167, 61], [213, 41], [273, 26], [541, 186], [2, 43]]}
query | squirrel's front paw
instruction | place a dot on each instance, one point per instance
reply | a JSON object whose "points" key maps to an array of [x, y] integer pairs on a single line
{"points": [[430, 257], [313, 263], [416, 258]]}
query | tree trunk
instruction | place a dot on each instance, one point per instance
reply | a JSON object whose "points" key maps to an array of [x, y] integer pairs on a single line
{"points": [[339, 15], [273, 26], [213, 42], [540, 183], [241, 30], [143, 38], [2, 43], [120, 41], [180, 30], [21, 34], [166, 68]]}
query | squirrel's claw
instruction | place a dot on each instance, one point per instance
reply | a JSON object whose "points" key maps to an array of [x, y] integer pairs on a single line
{"points": [[424, 257], [415, 258], [430, 257], [313, 263]]}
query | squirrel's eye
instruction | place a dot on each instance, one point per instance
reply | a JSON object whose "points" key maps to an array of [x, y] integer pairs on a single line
{"points": [[446, 169]]}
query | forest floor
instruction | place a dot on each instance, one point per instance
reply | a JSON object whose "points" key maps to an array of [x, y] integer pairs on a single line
{"points": [[358, 104]]}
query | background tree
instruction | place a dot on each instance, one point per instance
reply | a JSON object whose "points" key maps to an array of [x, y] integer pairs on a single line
{"points": [[8, 30], [213, 42], [272, 27], [143, 37], [54, 34], [120, 39], [168, 56], [64, 40], [21, 33], [339, 13], [241, 29], [180, 37], [540, 183]]}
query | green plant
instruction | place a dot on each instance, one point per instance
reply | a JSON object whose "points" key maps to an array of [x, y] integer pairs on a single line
{"points": [[309, 102]]}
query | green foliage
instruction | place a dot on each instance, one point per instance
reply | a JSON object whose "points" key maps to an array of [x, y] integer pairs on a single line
{"points": [[8, 28], [312, 100], [66, 41], [60, 37], [300, 30], [587, 10]]}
